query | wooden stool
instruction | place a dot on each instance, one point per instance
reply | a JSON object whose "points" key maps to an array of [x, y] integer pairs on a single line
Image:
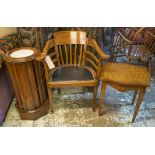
{"points": [[125, 77]]}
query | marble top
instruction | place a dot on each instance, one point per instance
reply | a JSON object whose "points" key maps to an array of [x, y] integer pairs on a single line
{"points": [[22, 53]]}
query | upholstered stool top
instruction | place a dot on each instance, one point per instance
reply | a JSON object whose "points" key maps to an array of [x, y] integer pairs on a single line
{"points": [[127, 74]]}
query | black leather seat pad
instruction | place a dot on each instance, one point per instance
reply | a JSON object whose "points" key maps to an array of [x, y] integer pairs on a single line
{"points": [[71, 73]]}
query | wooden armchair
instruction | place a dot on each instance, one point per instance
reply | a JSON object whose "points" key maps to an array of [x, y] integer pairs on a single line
{"points": [[77, 61], [137, 50], [125, 42], [131, 33], [142, 51]]}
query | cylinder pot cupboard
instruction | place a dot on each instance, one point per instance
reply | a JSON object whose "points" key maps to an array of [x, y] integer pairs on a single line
{"points": [[28, 82]]}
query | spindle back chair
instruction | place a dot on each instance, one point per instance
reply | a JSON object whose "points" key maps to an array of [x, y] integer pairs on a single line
{"points": [[77, 61], [142, 52], [137, 50]]}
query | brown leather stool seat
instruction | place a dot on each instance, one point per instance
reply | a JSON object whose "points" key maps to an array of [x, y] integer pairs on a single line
{"points": [[70, 73]]}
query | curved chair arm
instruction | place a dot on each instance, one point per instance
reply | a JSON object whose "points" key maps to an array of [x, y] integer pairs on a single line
{"points": [[138, 32], [49, 44], [124, 38], [92, 43]]}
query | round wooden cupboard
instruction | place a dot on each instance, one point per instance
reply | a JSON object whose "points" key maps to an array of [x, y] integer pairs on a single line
{"points": [[28, 81]]}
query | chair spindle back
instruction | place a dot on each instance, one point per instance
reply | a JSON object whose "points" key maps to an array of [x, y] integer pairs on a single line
{"points": [[70, 47]]}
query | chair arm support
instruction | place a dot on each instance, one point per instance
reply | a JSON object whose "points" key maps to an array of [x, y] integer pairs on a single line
{"points": [[49, 44], [41, 57], [92, 43]]}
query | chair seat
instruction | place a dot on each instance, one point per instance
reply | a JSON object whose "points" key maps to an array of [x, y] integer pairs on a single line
{"points": [[125, 74], [70, 73]]}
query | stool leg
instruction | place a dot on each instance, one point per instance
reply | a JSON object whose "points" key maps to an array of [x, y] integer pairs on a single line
{"points": [[134, 96], [50, 98], [94, 98], [103, 90], [140, 99]]}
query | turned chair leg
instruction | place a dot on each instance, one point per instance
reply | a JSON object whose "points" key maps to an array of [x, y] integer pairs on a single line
{"points": [[50, 98], [94, 98], [139, 102], [59, 91], [134, 96], [103, 90]]}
